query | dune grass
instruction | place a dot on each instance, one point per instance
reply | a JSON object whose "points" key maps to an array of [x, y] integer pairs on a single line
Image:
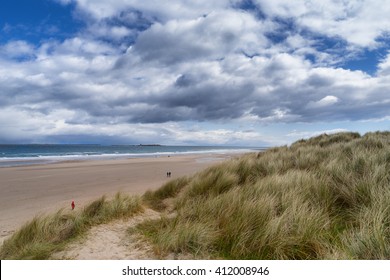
{"points": [[327, 197], [44, 235], [155, 199]]}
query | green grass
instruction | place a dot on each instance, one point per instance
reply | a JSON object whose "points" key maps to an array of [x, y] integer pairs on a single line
{"points": [[327, 197], [44, 235]]}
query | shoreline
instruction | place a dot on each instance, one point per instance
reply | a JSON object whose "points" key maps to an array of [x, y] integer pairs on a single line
{"points": [[6, 162], [30, 190]]}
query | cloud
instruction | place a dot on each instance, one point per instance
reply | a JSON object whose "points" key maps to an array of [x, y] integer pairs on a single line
{"points": [[384, 66], [139, 71], [361, 23], [21, 125], [161, 11], [80, 75], [308, 134], [206, 37], [324, 102], [17, 50]]}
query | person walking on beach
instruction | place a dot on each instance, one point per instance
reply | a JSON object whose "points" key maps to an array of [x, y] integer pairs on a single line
{"points": [[73, 205]]}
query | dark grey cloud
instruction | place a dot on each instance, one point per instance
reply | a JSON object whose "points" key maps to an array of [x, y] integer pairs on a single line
{"points": [[168, 48], [319, 81], [185, 81]]}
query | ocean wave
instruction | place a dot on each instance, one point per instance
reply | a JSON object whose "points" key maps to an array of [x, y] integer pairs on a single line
{"points": [[45, 159]]}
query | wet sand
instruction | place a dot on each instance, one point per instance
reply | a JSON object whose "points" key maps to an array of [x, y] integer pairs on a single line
{"points": [[27, 191]]}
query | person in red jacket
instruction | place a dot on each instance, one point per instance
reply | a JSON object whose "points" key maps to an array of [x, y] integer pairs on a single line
{"points": [[73, 205]]}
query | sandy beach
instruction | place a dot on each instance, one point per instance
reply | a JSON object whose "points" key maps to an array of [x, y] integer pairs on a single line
{"points": [[27, 191]]}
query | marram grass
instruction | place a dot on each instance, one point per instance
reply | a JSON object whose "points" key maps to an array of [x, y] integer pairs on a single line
{"points": [[44, 235], [327, 197], [155, 199]]}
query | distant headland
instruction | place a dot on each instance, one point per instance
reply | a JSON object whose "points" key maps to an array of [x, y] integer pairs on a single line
{"points": [[150, 145]]}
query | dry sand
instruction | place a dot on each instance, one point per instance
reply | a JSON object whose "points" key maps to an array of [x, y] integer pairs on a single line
{"points": [[27, 191], [112, 241]]}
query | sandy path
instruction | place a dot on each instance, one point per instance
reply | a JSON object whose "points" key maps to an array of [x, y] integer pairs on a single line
{"points": [[27, 191], [112, 242]]}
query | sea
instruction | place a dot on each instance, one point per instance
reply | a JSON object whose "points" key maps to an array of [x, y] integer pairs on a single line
{"points": [[19, 155]]}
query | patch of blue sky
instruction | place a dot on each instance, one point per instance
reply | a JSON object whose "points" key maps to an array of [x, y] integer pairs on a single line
{"points": [[368, 59], [37, 21], [323, 43], [286, 27], [251, 7], [345, 56]]}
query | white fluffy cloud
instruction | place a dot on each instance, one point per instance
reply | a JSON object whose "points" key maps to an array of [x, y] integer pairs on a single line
{"points": [[324, 102], [17, 49]]}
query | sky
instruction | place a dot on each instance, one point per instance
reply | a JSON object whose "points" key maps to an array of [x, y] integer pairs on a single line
{"points": [[181, 72]]}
